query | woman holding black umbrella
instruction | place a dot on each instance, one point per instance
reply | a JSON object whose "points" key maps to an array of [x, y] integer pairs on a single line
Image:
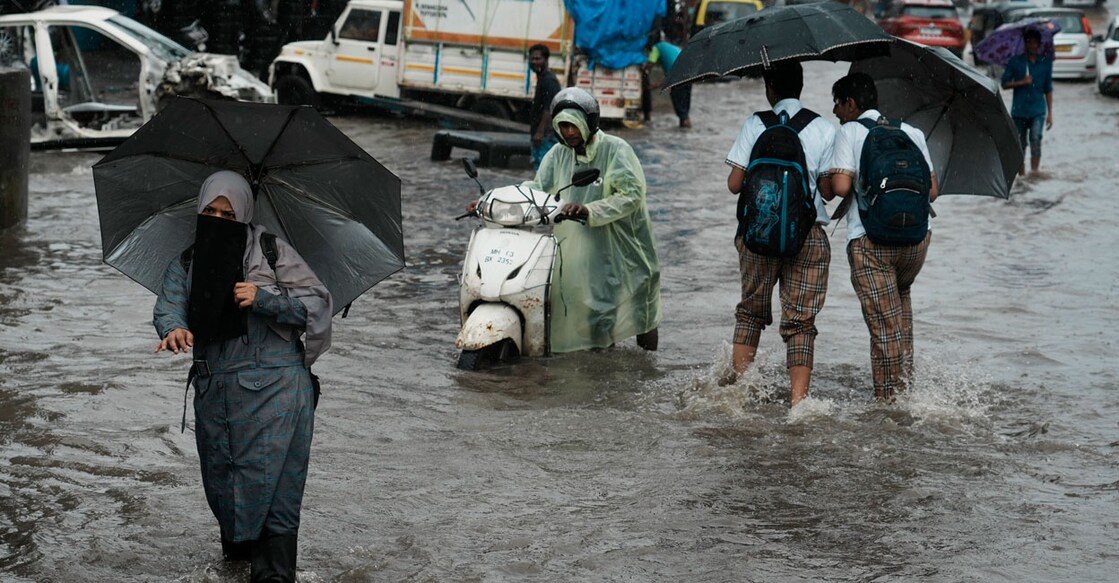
{"points": [[242, 299]]}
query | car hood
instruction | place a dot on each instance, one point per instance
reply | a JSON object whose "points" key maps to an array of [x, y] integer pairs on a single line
{"points": [[201, 73]]}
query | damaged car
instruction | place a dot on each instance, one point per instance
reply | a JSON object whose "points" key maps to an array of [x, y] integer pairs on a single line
{"points": [[97, 75]]}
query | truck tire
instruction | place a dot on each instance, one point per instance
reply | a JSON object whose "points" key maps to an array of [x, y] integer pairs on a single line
{"points": [[293, 89], [491, 108]]}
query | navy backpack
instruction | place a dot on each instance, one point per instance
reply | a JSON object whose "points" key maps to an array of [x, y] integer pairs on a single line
{"points": [[894, 185]]}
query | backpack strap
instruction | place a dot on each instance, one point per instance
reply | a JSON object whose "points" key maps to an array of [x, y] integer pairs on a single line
{"points": [[882, 121], [802, 119], [798, 122], [769, 117], [186, 257], [268, 248]]}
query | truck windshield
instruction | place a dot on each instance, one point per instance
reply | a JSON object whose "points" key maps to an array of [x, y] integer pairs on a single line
{"points": [[162, 46]]}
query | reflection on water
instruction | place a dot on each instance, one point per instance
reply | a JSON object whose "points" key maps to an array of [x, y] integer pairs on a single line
{"points": [[607, 465]]}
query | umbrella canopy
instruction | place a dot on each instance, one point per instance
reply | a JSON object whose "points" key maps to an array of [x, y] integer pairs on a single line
{"points": [[1008, 41], [314, 187], [972, 139], [829, 31]]}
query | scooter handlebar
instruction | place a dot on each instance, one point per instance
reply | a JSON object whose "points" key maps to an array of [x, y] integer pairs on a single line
{"points": [[581, 219]]}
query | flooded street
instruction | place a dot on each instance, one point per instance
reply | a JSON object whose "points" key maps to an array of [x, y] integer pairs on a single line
{"points": [[1001, 465]]}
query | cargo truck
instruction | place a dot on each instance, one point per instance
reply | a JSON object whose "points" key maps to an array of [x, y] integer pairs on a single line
{"points": [[464, 55]]}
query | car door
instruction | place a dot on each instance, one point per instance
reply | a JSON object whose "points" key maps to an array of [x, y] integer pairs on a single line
{"points": [[354, 63], [389, 59]]}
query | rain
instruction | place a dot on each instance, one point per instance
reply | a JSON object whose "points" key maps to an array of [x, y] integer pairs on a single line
{"points": [[999, 464]]}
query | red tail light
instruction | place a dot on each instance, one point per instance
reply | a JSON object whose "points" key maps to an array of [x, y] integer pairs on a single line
{"points": [[1109, 55], [1087, 27]]}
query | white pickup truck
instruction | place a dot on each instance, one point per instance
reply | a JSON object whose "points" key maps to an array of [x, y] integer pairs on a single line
{"points": [[467, 54]]}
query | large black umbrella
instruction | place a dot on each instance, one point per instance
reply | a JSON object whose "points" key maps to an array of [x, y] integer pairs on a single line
{"points": [[314, 187], [971, 137], [829, 31]]}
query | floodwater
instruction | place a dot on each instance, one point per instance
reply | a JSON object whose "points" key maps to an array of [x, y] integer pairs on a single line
{"points": [[1000, 465]]}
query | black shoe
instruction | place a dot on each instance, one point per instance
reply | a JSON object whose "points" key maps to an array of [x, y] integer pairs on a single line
{"points": [[274, 558], [240, 551]]}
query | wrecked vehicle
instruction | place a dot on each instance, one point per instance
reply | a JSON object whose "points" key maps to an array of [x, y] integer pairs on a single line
{"points": [[97, 76]]}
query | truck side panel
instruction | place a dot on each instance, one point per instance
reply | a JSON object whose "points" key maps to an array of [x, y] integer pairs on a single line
{"points": [[481, 46], [508, 24]]}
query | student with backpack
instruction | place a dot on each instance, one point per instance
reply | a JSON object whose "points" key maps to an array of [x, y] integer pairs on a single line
{"points": [[775, 162], [883, 171]]}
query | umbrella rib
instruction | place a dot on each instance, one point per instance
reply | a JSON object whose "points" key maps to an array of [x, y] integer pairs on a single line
{"points": [[232, 140], [259, 170]]}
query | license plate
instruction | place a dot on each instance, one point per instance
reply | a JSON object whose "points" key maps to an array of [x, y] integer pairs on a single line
{"points": [[1063, 48], [930, 31]]}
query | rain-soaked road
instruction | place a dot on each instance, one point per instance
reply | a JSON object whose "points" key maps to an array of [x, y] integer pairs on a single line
{"points": [[618, 465]]}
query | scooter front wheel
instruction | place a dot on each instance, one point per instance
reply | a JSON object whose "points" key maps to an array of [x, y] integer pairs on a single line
{"points": [[470, 359], [503, 351]]}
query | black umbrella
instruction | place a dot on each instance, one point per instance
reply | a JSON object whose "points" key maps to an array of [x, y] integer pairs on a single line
{"points": [[972, 139], [314, 187], [829, 31]]}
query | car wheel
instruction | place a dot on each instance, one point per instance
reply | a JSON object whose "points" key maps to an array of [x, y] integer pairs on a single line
{"points": [[292, 89]]}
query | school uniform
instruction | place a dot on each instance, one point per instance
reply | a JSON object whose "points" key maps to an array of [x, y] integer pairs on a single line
{"points": [[803, 277], [881, 275]]}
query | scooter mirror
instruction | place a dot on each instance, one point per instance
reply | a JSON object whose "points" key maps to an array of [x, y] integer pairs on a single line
{"points": [[472, 170], [585, 176]]}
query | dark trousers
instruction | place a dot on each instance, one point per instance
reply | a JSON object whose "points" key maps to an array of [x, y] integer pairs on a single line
{"points": [[681, 100]]}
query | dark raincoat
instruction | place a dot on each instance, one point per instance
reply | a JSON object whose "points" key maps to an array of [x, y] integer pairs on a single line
{"points": [[253, 404]]}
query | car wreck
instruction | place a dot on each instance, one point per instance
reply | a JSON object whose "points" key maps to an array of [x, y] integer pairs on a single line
{"points": [[97, 75]]}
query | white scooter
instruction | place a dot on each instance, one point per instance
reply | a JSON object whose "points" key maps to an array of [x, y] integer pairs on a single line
{"points": [[506, 277]]}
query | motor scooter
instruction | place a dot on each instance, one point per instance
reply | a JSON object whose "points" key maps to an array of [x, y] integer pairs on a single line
{"points": [[505, 284]]}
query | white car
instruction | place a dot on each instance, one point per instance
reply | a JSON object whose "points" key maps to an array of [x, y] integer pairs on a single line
{"points": [[1076, 57], [97, 75], [1107, 60]]}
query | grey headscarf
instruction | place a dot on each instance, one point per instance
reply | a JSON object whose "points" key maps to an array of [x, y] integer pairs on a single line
{"points": [[292, 277]]}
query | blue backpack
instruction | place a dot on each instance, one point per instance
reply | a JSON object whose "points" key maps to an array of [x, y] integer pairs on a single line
{"points": [[894, 185], [776, 208]]}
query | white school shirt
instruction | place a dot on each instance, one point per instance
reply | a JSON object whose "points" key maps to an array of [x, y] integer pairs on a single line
{"points": [[817, 139], [847, 154]]}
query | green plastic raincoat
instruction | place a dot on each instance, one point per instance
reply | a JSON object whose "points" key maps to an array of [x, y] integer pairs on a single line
{"points": [[606, 283]]}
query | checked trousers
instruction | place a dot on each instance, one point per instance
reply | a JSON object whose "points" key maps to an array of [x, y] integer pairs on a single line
{"points": [[804, 285], [882, 277]]}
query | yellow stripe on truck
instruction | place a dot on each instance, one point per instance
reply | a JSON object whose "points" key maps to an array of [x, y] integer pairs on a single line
{"points": [[354, 60], [474, 72]]}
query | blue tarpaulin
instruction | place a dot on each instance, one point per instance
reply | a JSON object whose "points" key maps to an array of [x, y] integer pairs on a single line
{"points": [[614, 32]]}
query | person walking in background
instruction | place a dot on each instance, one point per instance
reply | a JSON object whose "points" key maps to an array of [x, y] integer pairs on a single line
{"points": [[1030, 75], [540, 117], [882, 274], [803, 275], [241, 299], [665, 53]]}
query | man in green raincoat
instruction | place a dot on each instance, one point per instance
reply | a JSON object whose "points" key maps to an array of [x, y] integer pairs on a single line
{"points": [[606, 283]]}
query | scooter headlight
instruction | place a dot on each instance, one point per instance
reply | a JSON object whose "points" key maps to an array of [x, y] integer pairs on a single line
{"points": [[532, 215], [507, 213]]}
